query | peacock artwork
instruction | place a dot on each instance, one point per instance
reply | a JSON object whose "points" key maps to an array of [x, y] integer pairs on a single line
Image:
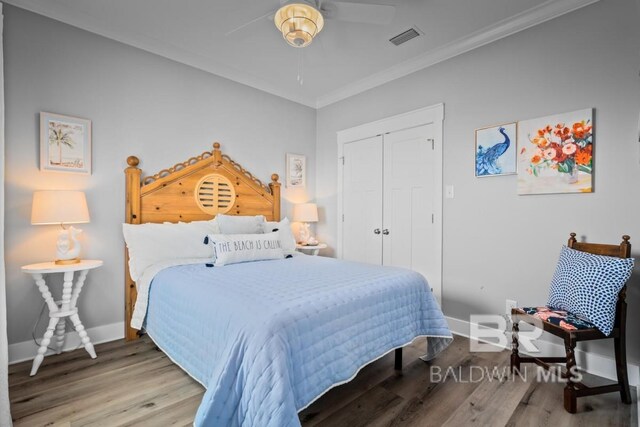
{"points": [[496, 150]]}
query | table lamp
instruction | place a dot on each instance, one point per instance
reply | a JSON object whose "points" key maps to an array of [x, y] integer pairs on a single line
{"points": [[305, 213], [62, 207]]}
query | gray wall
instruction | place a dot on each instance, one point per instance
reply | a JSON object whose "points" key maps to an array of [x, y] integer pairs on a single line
{"points": [[141, 104], [498, 245]]}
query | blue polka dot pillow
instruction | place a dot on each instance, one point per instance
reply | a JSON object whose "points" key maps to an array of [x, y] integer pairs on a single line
{"points": [[587, 285]]}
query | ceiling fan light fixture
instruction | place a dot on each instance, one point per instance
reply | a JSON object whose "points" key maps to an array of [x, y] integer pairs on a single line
{"points": [[299, 23]]}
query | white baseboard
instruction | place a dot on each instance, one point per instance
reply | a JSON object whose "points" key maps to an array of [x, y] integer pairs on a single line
{"points": [[638, 405], [592, 363], [27, 350]]}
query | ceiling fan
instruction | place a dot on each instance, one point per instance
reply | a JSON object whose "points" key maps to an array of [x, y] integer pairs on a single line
{"points": [[301, 20]]}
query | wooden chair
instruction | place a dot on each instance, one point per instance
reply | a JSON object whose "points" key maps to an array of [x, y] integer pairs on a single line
{"points": [[573, 388]]}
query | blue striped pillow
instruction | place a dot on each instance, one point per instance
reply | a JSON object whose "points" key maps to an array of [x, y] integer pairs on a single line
{"points": [[587, 285]]}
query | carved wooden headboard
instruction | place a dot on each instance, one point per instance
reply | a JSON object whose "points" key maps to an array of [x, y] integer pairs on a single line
{"points": [[197, 189]]}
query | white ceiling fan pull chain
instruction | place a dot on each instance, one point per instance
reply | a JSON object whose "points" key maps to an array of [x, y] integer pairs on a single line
{"points": [[300, 68]]}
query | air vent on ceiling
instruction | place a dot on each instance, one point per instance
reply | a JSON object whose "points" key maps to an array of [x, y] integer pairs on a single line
{"points": [[405, 36]]}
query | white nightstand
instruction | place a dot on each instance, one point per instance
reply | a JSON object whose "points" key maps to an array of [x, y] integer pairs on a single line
{"points": [[311, 249], [66, 308]]}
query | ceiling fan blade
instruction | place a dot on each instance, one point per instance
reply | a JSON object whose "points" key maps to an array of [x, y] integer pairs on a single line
{"points": [[378, 14], [253, 21]]}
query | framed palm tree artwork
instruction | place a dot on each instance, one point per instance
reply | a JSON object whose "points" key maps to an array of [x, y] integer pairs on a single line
{"points": [[65, 144]]}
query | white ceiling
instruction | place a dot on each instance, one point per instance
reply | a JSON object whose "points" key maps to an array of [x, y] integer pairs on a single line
{"points": [[344, 59]]}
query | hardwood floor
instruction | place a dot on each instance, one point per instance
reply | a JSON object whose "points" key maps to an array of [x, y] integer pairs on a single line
{"points": [[135, 384]]}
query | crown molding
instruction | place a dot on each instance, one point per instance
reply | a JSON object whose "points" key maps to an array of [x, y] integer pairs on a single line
{"points": [[75, 18], [546, 11]]}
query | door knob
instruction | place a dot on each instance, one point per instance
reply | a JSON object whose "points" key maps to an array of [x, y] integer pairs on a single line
{"points": [[376, 231], [385, 232]]}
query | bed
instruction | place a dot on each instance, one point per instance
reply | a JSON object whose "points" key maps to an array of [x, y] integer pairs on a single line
{"points": [[264, 338]]}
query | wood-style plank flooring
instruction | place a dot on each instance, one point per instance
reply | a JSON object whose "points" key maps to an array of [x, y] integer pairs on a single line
{"points": [[135, 384]]}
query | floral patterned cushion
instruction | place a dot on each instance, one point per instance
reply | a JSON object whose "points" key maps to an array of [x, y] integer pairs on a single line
{"points": [[564, 319]]}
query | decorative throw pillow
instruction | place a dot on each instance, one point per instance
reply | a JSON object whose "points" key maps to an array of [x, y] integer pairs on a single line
{"points": [[235, 248], [588, 285], [240, 224], [149, 244], [283, 228]]}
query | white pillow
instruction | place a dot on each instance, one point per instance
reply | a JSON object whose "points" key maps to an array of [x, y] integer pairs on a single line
{"points": [[149, 244], [287, 240], [212, 223], [240, 224], [235, 248]]}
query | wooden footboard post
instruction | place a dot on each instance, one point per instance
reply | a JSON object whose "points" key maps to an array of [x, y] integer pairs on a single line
{"points": [[131, 216], [398, 362]]}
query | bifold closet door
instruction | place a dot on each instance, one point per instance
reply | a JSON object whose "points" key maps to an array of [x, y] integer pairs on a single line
{"points": [[409, 186], [362, 201]]}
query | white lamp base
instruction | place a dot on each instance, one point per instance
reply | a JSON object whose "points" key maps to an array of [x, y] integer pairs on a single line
{"points": [[303, 233], [305, 237], [68, 247]]}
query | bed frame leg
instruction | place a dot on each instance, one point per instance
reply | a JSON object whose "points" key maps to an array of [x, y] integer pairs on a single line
{"points": [[398, 363]]}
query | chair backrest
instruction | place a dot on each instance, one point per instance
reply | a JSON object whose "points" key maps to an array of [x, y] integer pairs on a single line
{"points": [[623, 250]]}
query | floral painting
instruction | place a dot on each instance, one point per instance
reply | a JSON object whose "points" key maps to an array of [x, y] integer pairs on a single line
{"points": [[556, 154], [496, 150], [65, 143], [296, 170]]}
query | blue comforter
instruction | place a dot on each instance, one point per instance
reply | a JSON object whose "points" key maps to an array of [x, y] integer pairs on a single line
{"points": [[267, 338]]}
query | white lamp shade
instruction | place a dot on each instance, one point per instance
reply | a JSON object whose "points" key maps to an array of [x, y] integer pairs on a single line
{"points": [[305, 212], [59, 207]]}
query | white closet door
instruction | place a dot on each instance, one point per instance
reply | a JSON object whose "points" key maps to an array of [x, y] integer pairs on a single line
{"points": [[409, 189], [362, 201]]}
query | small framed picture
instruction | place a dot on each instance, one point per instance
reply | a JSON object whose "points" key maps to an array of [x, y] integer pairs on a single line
{"points": [[496, 150], [65, 144], [296, 170]]}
